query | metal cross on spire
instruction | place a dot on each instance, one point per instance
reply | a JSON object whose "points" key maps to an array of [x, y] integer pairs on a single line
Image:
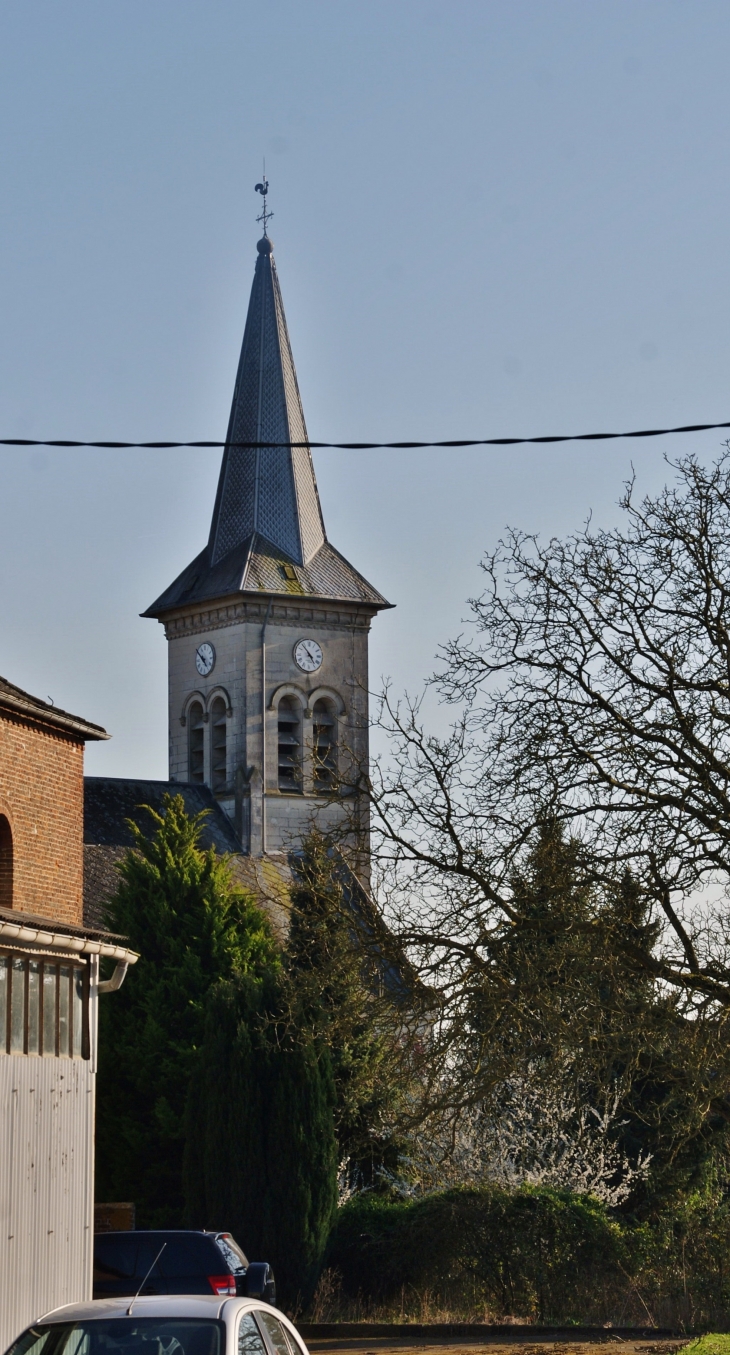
{"points": [[263, 189]]}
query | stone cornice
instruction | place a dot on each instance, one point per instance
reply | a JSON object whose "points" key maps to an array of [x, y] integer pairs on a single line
{"points": [[284, 611]]}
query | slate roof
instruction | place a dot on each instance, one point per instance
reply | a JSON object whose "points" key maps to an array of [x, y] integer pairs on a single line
{"points": [[257, 567], [109, 801], [267, 534], [396, 973], [271, 490], [18, 702]]}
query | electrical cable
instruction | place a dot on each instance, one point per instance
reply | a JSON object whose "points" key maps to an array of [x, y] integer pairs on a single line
{"points": [[369, 446]]}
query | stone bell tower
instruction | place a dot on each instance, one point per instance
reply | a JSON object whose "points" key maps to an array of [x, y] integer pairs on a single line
{"points": [[268, 627]]}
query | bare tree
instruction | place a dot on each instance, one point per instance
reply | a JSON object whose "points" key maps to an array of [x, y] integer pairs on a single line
{"points": [[532, 1132], [595, 687]]}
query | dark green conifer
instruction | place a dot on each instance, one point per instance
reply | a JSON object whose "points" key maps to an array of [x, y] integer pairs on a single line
{"points": [[192, 926], [261, 1156], [349, 983]]}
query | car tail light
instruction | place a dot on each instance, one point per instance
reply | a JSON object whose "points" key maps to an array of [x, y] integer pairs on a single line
{"points": [[222, 1284]]}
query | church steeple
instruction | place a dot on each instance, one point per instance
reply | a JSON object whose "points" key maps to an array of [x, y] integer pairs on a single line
{"points": [[270, 490], [267, 533], [268, 626]]}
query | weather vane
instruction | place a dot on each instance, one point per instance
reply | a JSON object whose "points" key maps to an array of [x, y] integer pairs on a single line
{"points": [[263, 189]]}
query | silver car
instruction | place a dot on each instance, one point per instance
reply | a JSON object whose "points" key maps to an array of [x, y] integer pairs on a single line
{"points": [[174, 1325]]}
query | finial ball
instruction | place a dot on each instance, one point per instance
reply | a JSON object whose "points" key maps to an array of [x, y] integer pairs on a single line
{"points": [[265, 246]]}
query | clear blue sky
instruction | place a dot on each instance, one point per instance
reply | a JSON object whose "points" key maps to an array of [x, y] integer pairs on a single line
{"points": [[493, 217]]}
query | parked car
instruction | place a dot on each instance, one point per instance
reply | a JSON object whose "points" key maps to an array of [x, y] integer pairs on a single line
{"points": [[177, 1262], [172, 1325]]}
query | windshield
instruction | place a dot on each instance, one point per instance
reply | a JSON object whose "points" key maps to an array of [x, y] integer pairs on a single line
{"points": [[124, 1336]]}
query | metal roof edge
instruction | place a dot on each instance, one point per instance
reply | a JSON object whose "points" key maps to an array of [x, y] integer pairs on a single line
{"points": [[49, 938], [30, 707]]}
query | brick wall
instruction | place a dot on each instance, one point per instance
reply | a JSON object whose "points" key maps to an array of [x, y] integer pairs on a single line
{"points": [[42, 799]]}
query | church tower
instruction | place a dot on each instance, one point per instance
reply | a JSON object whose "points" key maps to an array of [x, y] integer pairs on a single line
{"points": [[268, 627]]}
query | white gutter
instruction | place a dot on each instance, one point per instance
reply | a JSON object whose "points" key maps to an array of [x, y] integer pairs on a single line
{"points": [[117, 979], [81, 945]]}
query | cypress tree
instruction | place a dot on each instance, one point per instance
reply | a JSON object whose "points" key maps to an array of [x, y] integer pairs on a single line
{"points": [[261, 1156], [192, 926], [350, 983]]}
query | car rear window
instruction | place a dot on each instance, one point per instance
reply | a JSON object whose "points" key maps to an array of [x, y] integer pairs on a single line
{"points": [[115, 1257], [129, 1256], [188, 1256], [234, 1258]]}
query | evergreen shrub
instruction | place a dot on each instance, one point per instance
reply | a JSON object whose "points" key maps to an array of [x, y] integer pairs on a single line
{"points": [[547, 1255], [534, 1253]]}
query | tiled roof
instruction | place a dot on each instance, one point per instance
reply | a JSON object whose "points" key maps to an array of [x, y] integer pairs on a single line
{"points": [[15, 700]]}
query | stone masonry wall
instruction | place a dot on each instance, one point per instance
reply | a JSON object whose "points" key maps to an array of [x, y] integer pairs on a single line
{"points": [[41, 796], [342, 634]]}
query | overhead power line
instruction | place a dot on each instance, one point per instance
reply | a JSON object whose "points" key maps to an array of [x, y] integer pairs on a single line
{"points": [[370, 446]]}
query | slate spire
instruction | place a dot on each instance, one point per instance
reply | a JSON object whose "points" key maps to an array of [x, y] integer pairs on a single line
{"points": [[268, 490], [267, 534]]}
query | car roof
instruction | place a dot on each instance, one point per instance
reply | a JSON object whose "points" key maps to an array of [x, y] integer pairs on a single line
{"points": [[148, 1305], [157, 1305], [158, 1232]]}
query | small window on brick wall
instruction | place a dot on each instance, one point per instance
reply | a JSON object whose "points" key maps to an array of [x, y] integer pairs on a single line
{"points": [[218, 744], [290, 744], [196, 744], [44, 1007], [6, 863]]}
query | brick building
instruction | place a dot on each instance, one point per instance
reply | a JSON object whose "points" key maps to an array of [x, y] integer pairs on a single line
{"points": [[49, 987], [41, 806]]}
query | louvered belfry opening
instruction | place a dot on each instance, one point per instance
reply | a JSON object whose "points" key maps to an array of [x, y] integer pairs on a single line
{"points": [[219, 777], [324, 730], [290, 744], [6, 863], [196, 744]]}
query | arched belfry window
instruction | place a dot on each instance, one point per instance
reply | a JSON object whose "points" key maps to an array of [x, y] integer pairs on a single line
{"points": [[290, 744], [324, 746], [6, 863], [218, 760], [196, 744]]}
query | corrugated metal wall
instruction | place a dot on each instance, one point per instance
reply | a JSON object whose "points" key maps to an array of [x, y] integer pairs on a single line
{"points": [[46, 1186]]}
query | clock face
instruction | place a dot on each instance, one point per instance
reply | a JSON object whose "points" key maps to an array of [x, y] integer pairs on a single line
{"points": [[308, 655], [204, 659]]}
